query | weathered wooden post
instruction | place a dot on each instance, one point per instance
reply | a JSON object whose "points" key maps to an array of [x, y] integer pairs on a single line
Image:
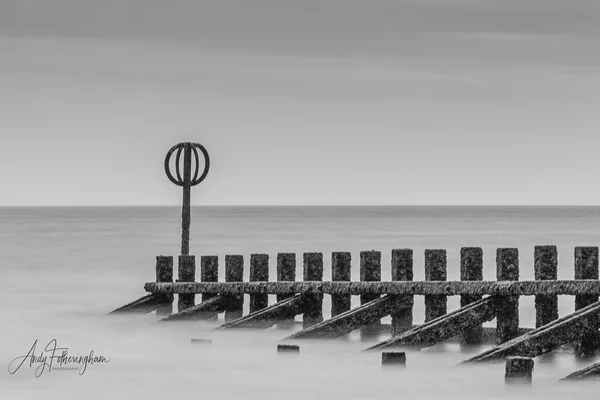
{"points": [[164, 273], [234, 272], [393, 358], [186, 273], [435, 270], [586, 267], [288, 348], [518, 370], [507, 318], [313, 271], [370, 270], [340, 271], [471, 269], [546, 268], [209, 272], [259, 272], [402, 270], [286, 271]]}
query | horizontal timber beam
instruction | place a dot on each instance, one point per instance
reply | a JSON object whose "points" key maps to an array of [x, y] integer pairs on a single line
{"points": [[449, 288]]}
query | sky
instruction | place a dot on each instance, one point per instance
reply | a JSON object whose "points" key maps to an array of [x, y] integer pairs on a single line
{"points": [[313, 102]]}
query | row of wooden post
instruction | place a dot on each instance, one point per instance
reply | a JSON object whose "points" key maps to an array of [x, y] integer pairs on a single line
{"points": [[471, 269]]}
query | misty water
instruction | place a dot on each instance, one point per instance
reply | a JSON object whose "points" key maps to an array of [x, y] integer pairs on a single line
{"points": [[63, 269]]}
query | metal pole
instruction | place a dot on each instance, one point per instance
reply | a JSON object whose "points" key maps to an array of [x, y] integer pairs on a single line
{"points": [[186, 211]]}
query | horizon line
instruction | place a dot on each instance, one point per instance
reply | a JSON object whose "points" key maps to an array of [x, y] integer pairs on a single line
{"points": [[287, 205]]}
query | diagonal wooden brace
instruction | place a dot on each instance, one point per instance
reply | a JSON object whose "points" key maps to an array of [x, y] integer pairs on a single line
{"points": [[146, 304], [446, 326], [267, 317], [547, 337], [205, 310], [350, 320]]}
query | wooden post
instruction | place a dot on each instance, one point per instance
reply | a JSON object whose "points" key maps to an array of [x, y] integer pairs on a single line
{"points": [[186, 273], [209, 272], [471, 269], [340, 271], [370, 270], [402, 270], [234, 272], [259, 272], [288, 348], [435, 270], [396, 358], [518, 370], [586, 267], [546, 268], [313, 271], [507, 318], [286, 271], [164, 273]]}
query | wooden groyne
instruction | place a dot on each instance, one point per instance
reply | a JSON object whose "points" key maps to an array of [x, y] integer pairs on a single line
{"points": [[480, 301]]}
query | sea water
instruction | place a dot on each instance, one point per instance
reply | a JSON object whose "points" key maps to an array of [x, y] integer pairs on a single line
{"points": [[63, 269]]}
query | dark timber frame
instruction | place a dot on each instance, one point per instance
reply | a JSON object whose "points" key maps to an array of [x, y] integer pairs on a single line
{"points": [[480, 300]]}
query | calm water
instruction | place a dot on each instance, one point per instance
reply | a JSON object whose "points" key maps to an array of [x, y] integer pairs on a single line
{"points": [[64, 268]]}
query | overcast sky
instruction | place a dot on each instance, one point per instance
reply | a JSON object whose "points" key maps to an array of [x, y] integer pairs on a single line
{"points": [[301, 102]]}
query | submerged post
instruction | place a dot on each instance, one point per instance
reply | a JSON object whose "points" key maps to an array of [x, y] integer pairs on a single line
{"points": [[313, 271], [259, 272], [586, 267], [340, 271], [234, 272], [507, 318], [546, 268], [370, 270], [518, 370], [435, 270], [402, 270], [471, 269], [164, 273]]}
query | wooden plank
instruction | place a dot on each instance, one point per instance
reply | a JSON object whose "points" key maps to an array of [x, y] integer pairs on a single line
{"points": [[436, 305], [402, 270], [348, 321], [593, 371], [205, 310], [340, 271], [144, 305], [546, 268], [259, 271], [450, 288], [445, 326], [284, 310], [313, 271], [507, 318], [548, 337], [471, 269], [586, 267]]}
